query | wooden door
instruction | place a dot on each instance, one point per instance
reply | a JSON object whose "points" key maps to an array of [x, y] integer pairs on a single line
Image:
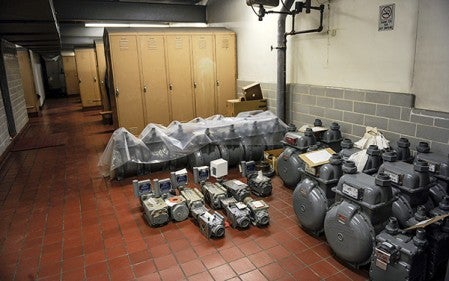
{"points": [[203, 74], [226, 69], [154, 79], [128, 96], [26, 73], [71, 75], [180, 77], [86, 66], [101, 72]]}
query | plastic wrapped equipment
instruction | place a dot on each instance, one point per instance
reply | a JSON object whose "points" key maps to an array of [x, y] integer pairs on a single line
{"points": [[253, 132]]}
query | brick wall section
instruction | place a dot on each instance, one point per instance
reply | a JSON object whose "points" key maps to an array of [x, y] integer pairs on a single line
{"points": [[392, 113], [15, 86], [4, 135]]}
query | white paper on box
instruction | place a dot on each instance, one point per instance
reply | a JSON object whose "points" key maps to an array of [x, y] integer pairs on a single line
{"points": [[319, 156]]}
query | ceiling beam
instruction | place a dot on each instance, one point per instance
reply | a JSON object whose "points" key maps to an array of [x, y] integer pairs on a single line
{"points": [[78, 40], [67, 10], [31, 37], [26, 10]]}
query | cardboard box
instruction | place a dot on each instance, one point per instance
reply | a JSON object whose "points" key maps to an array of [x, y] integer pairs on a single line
{"points": [[234, 107], [252, 92], [271, 156], [316, 158]]}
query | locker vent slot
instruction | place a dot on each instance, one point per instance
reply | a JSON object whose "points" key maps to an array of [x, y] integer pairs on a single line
{"points": [[152, 44], [225, 43], [202, 43], [124, 44], [179, 43]]}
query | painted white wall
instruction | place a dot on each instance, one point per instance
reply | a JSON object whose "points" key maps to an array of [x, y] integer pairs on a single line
{"points": [[256, 62], [432, 56], [358, 56], [38, 78]]}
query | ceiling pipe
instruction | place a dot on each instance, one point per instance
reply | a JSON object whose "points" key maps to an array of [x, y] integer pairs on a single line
{"points": [[281, 88]]}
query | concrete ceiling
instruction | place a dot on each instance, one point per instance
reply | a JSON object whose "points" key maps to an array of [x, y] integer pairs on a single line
{"points": [[31, 24], [47, 26]]}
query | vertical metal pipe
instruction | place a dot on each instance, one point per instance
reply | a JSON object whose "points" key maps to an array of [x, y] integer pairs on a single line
{"points": [[281, 88]]}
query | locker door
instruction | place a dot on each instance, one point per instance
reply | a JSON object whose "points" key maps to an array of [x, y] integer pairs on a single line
{"points": [[96, 95], [125, 67], [101, 71], [154, 79], [203, 74], [226, 69], [180, 77], [26, 73], [87, 75], [71, 75]]}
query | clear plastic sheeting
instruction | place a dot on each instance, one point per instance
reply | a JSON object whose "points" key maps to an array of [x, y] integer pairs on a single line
{"points": [[127, 154]]}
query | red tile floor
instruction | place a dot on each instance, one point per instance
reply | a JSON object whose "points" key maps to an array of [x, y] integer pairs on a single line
{"points": [[61, 220]]}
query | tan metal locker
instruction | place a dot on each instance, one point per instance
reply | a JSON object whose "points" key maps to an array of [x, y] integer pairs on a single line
{"points": [[154, 79], [26, 73], [225, 55], [180, 77], [101, 70], [128, 97], [87, 74], [169, 74], [71, 75], [203, 74]]}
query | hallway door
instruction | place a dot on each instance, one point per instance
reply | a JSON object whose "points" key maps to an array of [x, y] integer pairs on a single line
{"points": [[70, 74], [31, 99], [86, 65]]}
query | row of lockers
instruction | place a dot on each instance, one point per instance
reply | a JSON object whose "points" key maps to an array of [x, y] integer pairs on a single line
{"points": [[161, 75]]}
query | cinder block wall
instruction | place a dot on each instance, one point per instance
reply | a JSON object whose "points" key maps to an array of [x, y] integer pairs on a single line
{"points": [[4, 135], [15, 85], [392, 113], [16, 95]]}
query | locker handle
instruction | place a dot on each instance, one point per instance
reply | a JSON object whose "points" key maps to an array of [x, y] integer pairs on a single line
{"points": [[218, 83], [145, 88], [170, 86], [194, 85], [95, 79], [116, 92]]}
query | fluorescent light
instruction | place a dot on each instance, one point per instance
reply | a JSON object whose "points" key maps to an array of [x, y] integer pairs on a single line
{"points": [[100, 24], [106, 24], [147, 25], [171, 24], [188, 24]]}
